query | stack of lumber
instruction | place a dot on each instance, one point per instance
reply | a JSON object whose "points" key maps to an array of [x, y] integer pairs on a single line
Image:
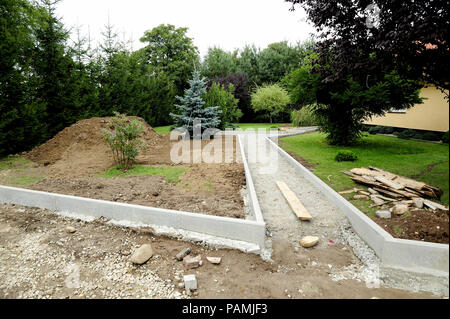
{"points": [[386, 187]]}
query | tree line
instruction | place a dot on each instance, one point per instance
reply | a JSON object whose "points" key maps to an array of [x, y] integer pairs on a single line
{"points": [[50, 78]]}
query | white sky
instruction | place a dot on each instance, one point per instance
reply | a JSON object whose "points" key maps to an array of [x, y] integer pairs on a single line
{"points": [[228, 24]]}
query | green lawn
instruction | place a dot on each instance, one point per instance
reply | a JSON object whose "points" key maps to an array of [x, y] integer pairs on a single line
{"points": [[172, 174], [162, 129], [427, 162], [244, 126], [12, 161], [255, 126]]}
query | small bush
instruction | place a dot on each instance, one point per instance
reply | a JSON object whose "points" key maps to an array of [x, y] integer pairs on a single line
{"points": [[406, 134], [276, 127], [375, 129], [381, 130], [431, 136], [123, 140], [304, 117], [345, 156], [388, 130], [445, 138]]}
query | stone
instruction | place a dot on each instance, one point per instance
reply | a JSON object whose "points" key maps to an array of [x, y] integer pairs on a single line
{"points": [[190, 282], [418, 202], [364, 197], [383, 214], [309, 241], [70, 229], [400, 209], [183, 254], [214, 260], [192, 262], [377, 200], [142, 254]]}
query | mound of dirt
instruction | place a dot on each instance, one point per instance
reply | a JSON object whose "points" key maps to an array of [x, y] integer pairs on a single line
{"points": [[80, 147]]}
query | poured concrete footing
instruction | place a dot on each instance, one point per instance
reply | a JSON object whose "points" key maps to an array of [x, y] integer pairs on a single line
{"points": [[427, 262]]}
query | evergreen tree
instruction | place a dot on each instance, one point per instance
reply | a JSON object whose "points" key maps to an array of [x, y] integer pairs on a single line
{"points": [[193, 108], [53, 66], [20, 114]]}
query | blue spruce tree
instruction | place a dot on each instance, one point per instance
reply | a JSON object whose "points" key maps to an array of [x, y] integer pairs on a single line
{"points": [[192, 108]]}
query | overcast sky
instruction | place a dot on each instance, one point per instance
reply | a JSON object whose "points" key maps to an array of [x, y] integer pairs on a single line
{"points": [[228, 24]]}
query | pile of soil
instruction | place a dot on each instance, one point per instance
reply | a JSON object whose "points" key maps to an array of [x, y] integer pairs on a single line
{"points": [[420, 225], [81, 149]]}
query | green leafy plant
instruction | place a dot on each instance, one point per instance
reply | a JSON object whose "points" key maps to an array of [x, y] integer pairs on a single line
{"points": [[124, 140], [304, 117], [223, 97], [346, 156], [445, 138], [271, 99], [276, 127], [406, 134]]}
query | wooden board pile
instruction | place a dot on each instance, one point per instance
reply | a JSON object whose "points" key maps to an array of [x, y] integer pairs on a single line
{"points": [[385, 188]]}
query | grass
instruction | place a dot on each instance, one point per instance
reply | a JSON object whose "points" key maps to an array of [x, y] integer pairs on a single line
{"points": [[162, 129], [426, 162], [172, 174], [244, 126], [12, 162], [25, 180], [255, 126]]}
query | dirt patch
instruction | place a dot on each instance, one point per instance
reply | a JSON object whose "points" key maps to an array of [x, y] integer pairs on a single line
{"points": [[70, 164], [206, 189], [420, 225], [37, 256], [310, 166]]}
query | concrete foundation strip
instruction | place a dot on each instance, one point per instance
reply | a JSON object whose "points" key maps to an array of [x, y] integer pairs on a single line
{"points": [[408, 255], [247, 231]]}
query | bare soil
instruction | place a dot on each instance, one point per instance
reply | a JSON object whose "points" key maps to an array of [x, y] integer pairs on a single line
{"points": [[423, 225], [71, 161], [36, 254]]}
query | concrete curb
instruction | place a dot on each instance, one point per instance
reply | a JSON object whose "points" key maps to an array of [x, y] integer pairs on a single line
{"points": [[230, 228], [254, 203], [248, 231], [407, 255]]}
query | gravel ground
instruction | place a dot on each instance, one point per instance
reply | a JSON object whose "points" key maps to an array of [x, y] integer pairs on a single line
{"points": [[328, 222], [40, 259]]}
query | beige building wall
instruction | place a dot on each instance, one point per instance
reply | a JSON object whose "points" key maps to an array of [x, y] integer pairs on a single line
{"points": [[432, 115]]}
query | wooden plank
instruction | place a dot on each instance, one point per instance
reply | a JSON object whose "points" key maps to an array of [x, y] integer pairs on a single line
{"points": [[348, 173], [434, 205], [409, 183], [293, 201], [354, 190], [386, 192], [387, 174], [389, 183]]}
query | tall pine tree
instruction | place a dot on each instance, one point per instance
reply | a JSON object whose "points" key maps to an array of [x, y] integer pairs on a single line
{"points": [[193, 108]]}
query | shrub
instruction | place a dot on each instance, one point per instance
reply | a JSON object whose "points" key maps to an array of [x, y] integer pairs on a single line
{"points": [[388, 130], [375, 129], [345, 156], [431, 136], [223, 97], [123, 140], [304, 117], [445, 138], [275, 127], [409, 133]]}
